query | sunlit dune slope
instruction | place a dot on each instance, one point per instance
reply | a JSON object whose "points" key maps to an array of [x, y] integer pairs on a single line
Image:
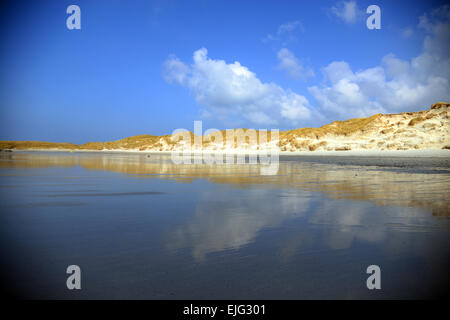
{"points": [[428, 129]]}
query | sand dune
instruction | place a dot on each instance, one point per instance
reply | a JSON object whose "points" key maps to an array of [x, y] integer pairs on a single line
{"points": [[428, 129]]}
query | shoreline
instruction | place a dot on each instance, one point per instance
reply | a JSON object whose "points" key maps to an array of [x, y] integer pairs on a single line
{"points": [[423, 153]]}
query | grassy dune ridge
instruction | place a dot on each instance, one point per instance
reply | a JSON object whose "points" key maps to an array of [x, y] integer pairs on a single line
{"points": [[428, 129]]}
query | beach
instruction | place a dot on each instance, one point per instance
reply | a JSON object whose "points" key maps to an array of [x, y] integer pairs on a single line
{"points": [[444, 153], [142, 227]]}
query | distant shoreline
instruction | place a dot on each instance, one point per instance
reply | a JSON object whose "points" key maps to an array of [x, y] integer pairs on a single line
{"points": [[412, 134], [425, 153]]}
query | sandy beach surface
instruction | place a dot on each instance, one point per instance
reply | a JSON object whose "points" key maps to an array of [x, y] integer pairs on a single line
{"points": [[352, 153]]}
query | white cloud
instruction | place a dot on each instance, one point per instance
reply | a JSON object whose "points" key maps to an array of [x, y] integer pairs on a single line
{"points": [[289, 27], [289, 63], [441, 13], [285, 32], [232, 90], [176, 71], [396, 85], [347, 11], [407, 32]]}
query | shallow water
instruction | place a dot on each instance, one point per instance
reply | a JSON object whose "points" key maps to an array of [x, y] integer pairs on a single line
{"points": [[141, 227]]}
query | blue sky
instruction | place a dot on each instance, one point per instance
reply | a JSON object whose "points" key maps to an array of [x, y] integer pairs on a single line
{"points": [[261, 64]]}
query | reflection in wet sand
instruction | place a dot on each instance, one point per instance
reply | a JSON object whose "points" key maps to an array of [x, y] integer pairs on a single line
{"points": [[226, 231], [233, 222], [109, 194], [408, 188]]}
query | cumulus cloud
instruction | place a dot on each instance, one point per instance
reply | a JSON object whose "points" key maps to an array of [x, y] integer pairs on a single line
{"points": [[441, 13], [176, 71], [228, 90], [347, 11], [407, 32], [395, 85], [285, 32], [289, 63]]}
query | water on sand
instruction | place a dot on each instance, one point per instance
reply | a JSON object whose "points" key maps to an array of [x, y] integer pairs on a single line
{"points": [[141, 227]]}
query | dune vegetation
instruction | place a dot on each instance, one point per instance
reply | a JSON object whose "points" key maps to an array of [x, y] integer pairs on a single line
{"points": [[428, 129]]}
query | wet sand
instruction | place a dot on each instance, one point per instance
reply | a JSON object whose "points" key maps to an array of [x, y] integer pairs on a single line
{"points": [[144, 228]]}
